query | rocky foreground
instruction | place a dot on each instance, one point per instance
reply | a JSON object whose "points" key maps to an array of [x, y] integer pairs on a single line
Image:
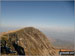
{"points": [[26, 41]]}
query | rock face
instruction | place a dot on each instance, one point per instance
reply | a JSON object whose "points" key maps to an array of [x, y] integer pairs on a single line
{"points": [[26, 41]]}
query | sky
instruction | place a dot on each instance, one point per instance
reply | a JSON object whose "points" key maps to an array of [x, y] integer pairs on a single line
{"points": [[42, 14], [49, 16]]}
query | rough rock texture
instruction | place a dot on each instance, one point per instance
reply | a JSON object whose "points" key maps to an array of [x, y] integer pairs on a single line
{"points": [[27, 41]]}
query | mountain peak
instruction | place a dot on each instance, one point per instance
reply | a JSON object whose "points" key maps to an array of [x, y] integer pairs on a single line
{"points": [[27, 41]]}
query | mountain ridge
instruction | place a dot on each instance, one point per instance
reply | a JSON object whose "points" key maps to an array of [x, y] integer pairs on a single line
{"points": [[30, 40]]}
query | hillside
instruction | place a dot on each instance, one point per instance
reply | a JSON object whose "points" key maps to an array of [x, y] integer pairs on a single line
{"points": [[26, 41]]}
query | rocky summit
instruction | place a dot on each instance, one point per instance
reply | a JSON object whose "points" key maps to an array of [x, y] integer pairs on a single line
{"points": [[26, 41]]}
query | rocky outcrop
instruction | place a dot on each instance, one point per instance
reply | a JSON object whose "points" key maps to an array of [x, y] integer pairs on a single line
{"points": [[27, 41]]}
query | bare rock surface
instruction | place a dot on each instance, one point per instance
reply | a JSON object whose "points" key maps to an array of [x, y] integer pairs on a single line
{"points": [[26, 41]]}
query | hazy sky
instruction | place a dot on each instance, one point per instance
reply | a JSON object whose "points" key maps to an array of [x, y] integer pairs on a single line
{"points": [[40, 14], [56, 19]]}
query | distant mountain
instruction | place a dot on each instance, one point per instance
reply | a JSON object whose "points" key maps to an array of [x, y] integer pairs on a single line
{"points": [[26, 41], [6, 29], [62, 44]]}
